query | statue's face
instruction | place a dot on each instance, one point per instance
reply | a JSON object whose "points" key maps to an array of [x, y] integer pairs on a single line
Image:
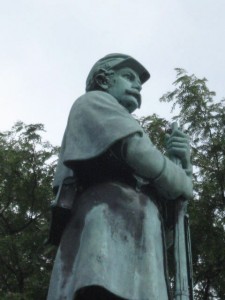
{"points": [[126, 87]]}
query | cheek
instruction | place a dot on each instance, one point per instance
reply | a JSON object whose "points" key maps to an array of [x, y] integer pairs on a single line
{"points": [[121, 90], [125, 88]]}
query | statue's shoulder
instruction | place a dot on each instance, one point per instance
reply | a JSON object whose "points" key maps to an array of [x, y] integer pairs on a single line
{"points": [[94, 99], [96, 96]]}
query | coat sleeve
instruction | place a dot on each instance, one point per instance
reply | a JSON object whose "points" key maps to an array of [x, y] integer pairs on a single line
{"points": [[147, 161]]}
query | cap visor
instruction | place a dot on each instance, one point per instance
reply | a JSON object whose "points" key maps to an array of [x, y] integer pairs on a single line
{"points": [[136, 66]]}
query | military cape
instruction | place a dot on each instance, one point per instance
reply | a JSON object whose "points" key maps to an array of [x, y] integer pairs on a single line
{"points": [[115, 237]]}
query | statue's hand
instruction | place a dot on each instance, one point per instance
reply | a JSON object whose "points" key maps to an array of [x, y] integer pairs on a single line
{"points": [[178, 146]]}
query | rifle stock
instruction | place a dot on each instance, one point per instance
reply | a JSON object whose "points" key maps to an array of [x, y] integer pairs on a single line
{"points": [[182, 248]]}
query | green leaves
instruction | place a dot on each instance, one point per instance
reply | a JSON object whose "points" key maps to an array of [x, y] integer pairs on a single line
{"points": [[27, 166], [203, 118], [156, 128]]}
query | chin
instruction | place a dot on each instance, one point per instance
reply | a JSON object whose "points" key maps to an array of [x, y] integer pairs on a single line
{"points": [[131, 109], [130, 103], [132, 106]]}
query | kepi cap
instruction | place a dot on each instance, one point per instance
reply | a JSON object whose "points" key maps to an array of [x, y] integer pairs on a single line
{"points": [[117, 61]]}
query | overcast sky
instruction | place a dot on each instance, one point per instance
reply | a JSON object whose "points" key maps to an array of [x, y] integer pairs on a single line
{"points": [[47, 48]]}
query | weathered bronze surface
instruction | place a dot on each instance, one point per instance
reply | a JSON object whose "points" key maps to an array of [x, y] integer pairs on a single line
{"points": [[113, 182]]}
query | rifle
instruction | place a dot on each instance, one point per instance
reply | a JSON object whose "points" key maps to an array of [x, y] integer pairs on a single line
{"points": [[182, 246]]}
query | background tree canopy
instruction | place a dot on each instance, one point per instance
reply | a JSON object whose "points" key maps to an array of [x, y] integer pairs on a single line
{"points": [[27, 168]]}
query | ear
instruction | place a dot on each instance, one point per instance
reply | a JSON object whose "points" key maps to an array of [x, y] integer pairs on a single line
{"points": [[102, 81]]}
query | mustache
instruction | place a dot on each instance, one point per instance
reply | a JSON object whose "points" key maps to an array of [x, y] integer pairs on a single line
{"points": [[135, 93]]}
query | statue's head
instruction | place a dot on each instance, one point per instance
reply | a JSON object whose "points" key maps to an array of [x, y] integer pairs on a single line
{"points": [[121, 76]]}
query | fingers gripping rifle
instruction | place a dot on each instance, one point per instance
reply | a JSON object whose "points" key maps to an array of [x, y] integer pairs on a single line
{"points": [[182, 246]]}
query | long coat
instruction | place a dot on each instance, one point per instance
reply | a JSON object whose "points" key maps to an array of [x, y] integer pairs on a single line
{"points": [[115, 236]]}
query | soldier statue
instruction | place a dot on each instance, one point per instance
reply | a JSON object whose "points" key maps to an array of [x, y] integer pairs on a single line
{"points": [[110, 184]]}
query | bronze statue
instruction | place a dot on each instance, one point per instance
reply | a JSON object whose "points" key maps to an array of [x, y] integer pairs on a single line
{"points": [[110, 184]]}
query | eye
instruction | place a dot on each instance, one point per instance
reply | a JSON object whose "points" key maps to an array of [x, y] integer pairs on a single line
{"points": [[129, 76]]}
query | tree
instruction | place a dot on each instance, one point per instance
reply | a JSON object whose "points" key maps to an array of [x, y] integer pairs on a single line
{"points": [[27, 168], [203, 119]]}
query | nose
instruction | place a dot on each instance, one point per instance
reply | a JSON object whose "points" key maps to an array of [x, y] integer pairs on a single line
{"points": [[137, 85]]}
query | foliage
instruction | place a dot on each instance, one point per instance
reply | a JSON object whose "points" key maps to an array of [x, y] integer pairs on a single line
{"points": [[203, 119], [156, 127], [27, 167]]}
